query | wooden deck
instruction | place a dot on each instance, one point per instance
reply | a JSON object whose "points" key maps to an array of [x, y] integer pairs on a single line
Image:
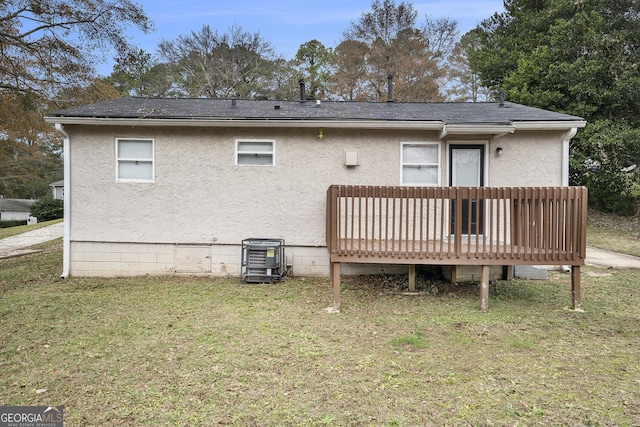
{"points": [[481, 226], [442, 253]]}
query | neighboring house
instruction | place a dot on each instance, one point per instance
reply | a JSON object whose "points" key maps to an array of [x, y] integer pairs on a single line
{"points": [[166, 186], [15, 209], [57, 189]]}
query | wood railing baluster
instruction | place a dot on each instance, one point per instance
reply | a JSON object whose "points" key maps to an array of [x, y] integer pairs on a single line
{"points": [[512, 225]]}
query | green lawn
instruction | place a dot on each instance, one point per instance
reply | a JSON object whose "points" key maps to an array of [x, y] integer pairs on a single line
{"points": [[620, 234], [192, 351], [614, 239]]}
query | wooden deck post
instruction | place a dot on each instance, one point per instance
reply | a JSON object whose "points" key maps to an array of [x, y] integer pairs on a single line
{"points": [[412, 277], [484, 289], [575, 288], [335, 283], [507, 272]]}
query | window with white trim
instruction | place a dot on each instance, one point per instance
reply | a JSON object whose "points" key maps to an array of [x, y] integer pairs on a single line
{"points": [[255, 152], [420, 163], [134, 160]]}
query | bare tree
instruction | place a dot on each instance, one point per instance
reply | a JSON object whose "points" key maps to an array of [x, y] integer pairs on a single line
{"points": [[348, 81], [442, 36], [387, 41], [384, 22], [48, 49], [207, 63], [49, 44], [465, 84]]}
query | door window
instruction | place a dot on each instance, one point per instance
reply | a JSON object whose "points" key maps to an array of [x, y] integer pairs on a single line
{"points": [[466, 169]]}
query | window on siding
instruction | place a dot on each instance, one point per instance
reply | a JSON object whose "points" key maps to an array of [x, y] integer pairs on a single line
{"points": [[420, 163], [134, 160], [255, 153]]}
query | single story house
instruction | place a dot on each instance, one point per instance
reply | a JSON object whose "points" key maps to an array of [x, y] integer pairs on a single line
{"points": [[15, 209], [57, 189], [170, 186]]}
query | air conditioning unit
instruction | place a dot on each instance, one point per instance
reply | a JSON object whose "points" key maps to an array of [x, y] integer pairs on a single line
{"points": [[263, 260]]}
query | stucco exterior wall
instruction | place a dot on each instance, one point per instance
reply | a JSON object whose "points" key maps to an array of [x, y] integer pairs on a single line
{"points": [[200, 197], [527, 159]]}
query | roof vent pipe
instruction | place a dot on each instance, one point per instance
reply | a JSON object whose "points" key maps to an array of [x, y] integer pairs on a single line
{"points": [[390, 88], [501, 94], [234, 104], [302, 95]]}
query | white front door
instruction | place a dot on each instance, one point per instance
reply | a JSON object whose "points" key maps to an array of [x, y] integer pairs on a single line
{"points": [[466, 169]]}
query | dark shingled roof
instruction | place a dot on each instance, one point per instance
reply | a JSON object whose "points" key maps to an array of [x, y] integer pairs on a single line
{"points": [[226, 109], [16, 205]]}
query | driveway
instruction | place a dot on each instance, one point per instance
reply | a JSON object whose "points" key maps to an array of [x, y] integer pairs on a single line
{"points": [[19, 244], [609, 259]]}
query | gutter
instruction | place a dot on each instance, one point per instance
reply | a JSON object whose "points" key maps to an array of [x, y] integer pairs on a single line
{"points": [[565, 155], [497, 130], [435, 125], [550, 125], [269, 123], [66, 236]]}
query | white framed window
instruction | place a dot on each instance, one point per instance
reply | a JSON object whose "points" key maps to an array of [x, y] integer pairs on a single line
{"points": [[255, 152], [420, 163], [134, 160]]}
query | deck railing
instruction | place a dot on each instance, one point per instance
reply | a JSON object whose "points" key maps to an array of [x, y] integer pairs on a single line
{"points": [[457, 225]]}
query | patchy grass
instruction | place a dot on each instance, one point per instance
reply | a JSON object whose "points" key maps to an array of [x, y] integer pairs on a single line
{"points": [[12, 231], [194, 351], [615, 233], [613, 239]]}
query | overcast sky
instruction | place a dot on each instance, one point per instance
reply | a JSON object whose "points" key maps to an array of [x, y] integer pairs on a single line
{"points": [[287, 24]]}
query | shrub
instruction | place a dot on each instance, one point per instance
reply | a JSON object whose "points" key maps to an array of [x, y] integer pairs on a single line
{"points": [[47, 209], [13, 223], [601, 159]]}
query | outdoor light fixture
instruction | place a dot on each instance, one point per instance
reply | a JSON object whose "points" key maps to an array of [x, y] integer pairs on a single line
{"points": [[499, 151], [320, 134]]}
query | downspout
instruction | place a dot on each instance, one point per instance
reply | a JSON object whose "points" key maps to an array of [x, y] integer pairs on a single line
{"points": [[565, 156], [565, 168], [66, 241]]}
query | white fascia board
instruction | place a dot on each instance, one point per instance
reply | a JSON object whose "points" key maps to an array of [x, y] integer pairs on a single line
{"points": [[550, 125], [436, 125], [476, 129], [344, 124]]}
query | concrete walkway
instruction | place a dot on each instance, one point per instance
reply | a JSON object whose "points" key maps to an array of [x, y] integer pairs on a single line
{"points": [[19, 244], [609, 259]]}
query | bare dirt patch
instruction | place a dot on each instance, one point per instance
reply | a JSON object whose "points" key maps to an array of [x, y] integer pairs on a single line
{"points": [[622, 223]]}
